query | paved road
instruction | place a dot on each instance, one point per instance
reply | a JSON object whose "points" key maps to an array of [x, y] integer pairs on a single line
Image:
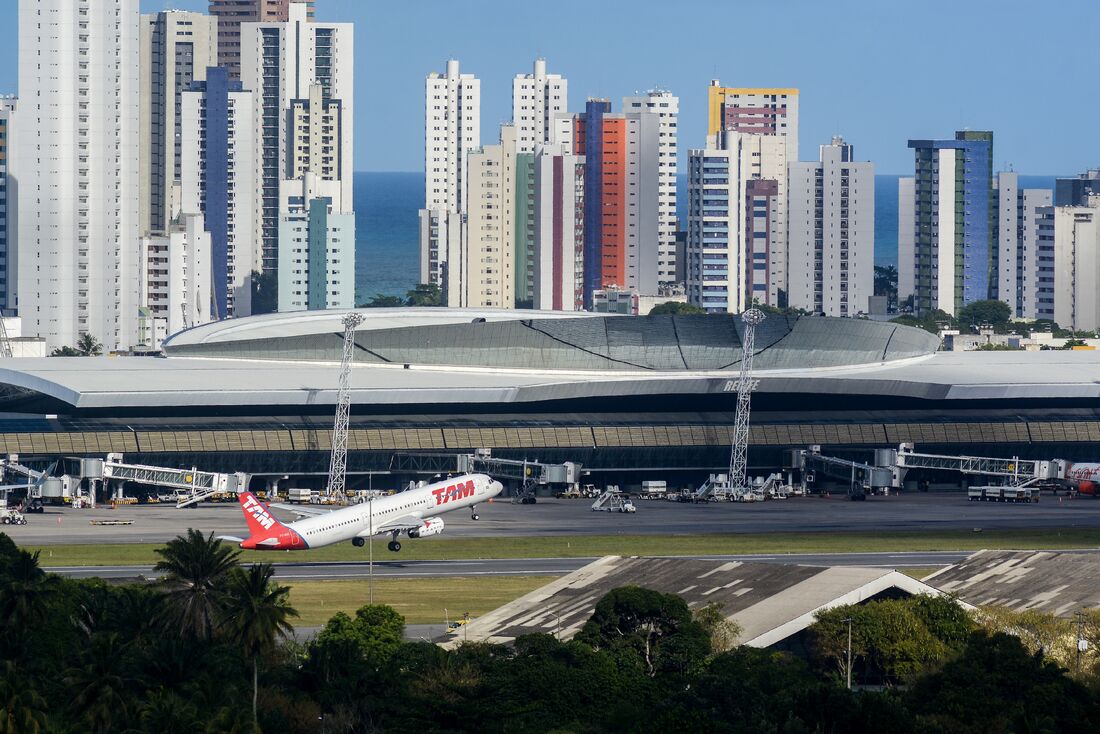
{"points": [[303, 571]]}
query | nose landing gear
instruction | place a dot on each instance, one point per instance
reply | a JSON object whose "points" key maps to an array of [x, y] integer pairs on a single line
{"points": [[473, 513]]}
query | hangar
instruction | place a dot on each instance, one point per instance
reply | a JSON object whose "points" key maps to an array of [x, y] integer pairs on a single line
{"points": [[632, 396]]}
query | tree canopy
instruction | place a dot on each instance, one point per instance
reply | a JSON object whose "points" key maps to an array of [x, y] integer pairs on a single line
{"points": [[675, 308]]}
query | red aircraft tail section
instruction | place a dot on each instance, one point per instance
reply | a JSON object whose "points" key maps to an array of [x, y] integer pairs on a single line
{"points": [[266, 533]]}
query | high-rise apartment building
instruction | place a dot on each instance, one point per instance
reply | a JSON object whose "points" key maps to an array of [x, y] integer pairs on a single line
{"points": [[175, 280], [78, 158], [218, 181], [537, 98], [8, 198], [559, 229], [452, 127], [753, 110], [316, 248], [954, 249], [666, 106], [230, 14], [483, 276], [281, 63], [831, 232], [1076, 191], [1076, 265], [1018, 243], [177, 47], [622, 197], [736, 221]]}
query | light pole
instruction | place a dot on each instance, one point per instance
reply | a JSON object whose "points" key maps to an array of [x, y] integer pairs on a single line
{"points": [[370, 549], [849, 666]]}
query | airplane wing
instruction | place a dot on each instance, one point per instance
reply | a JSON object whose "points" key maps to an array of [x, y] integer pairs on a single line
{"points": [[405, 522], [300, 510]]}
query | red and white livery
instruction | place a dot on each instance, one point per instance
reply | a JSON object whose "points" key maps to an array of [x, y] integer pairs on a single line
{"points": [[414, 512], [1086, 476]]}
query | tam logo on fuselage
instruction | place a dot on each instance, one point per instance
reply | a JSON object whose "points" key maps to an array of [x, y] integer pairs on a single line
{"points": [[259, 514], [459, 491]]}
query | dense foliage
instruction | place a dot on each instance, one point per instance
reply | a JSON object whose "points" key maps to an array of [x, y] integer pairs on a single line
{"points": [[189, 653]]}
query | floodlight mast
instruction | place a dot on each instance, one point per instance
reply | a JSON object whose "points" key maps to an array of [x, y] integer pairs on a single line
{"points": [[338, 467], [739, 452]]}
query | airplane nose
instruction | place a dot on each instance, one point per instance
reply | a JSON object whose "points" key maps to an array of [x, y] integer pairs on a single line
{"points": [[497, 487]]}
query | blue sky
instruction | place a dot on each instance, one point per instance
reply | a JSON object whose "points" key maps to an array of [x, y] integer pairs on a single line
{"points": [[877, 71]]}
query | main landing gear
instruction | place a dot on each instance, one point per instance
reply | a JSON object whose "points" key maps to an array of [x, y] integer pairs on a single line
{"points": [[473, 511], [358, 542], [393, 544]]}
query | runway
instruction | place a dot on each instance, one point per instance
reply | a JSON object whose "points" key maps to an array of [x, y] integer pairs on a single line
{"points": [[313, 571], [898, 513]]}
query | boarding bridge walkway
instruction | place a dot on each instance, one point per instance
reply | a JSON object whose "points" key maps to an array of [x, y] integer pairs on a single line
{"points": [[1021, 471], [191, 485]]}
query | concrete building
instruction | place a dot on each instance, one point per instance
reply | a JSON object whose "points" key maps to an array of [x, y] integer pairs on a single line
{"points": [[666, 105], [537, 98], [177, 47], [831, 232], [316, 248], [954, 248], [8, 208], [907, 239], [230, 14], [622, 198], [452, 127], [483, 275], [754, 110], [559, 229], [218, 181], [79, 145], [736, 222], [281, 62], [1076, 265], [176, 280], [1018, 243]]}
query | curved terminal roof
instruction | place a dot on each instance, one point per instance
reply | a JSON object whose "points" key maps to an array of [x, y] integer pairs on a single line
{"points": [[528, 357], [557, 341]]}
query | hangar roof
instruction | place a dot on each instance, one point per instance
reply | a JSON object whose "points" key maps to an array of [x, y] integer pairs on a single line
{"points": [[769, 601], [1057, 583]]}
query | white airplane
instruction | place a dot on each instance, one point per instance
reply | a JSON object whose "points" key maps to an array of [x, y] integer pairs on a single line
{"points": [[413, 512]]}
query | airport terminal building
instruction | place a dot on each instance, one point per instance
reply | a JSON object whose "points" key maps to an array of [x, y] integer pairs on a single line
{"points": [[627, 397]]}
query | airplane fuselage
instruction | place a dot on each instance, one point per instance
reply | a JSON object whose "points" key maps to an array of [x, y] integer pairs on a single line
{"points": [[410, 512]]}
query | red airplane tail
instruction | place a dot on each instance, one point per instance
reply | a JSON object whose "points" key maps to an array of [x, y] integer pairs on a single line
{"points": [[266, 533]]}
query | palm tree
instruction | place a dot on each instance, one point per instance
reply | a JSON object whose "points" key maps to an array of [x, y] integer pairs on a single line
{"points": [[22, 709], [257, 615], [196, 567], [88, 345], [26, 593], [99, 685]]}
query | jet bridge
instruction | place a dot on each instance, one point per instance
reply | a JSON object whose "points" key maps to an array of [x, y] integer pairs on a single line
{"points": [[190, 485]]}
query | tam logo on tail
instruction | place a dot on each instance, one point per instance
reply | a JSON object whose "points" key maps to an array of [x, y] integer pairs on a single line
{"points": [[256, 514]]}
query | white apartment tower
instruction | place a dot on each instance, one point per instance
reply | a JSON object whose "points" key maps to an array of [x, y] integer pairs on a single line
{"points": [[176, 280], [1075, 263], [536, 99], [281, 63], [831, 232], [452, 127], [8, 203], [177, 47], [1018, 242], [666, 106], [78, 154], [484, 274], [736, 221], [218, 181]]}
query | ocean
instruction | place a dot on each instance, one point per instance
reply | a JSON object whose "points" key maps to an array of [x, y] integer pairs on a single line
{"points": [[387, 242]]}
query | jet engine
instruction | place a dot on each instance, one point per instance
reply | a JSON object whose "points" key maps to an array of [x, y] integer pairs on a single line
{"points": [[431, 526]]}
